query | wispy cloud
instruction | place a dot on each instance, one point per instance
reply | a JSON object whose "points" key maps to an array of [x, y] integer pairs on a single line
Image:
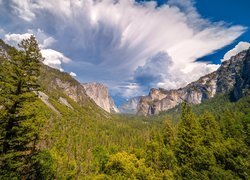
{"points": [[118, 42]]}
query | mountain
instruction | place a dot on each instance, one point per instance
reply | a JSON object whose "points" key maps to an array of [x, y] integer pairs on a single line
{"points": [[100, 95], [130, 106], [232, 77]]}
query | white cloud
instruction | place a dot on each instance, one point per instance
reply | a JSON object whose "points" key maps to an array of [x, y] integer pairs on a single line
{"points": [[15, 39], [54, 58], [72, 74], [241, 46], [109, 40]]}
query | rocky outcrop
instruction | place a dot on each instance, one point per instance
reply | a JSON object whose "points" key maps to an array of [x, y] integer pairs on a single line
{"points": [[100, 95], [130, 106], [75, 91], [232, 76], [45, 99], [65, 102]]}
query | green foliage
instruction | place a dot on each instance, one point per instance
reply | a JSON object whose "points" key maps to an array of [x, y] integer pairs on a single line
{"points": [[188, 136], [19, 124], [127, 166]]}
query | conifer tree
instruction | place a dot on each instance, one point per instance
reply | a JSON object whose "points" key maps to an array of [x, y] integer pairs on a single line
{"points": [[210, 129], [166, 157], [18, 82], [187, 142]]}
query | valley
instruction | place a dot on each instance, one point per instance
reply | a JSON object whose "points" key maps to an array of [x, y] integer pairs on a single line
{"points": [[200, 131]]}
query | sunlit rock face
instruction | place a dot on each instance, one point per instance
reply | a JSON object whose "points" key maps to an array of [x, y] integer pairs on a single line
{"points": [[233, 77], [100, 95], [73, 90]]}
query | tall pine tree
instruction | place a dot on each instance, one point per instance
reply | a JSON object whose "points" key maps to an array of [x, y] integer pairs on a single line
{"points": [[18, 82], [187, 142]]}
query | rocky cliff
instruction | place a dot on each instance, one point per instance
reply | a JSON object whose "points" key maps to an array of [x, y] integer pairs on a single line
{"points": [[100, 95], [233, 76], [130, 106]]}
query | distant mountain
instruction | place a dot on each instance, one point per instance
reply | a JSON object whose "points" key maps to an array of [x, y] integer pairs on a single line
{"points": [[130, 106], [233, 77], [100, 95]]}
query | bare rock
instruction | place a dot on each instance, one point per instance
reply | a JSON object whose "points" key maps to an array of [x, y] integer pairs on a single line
{"points": [[65, 102], [100, 95]]}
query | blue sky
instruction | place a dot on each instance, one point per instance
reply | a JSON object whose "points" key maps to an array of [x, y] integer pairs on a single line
{"points": [[231, 11], [130, 46]]}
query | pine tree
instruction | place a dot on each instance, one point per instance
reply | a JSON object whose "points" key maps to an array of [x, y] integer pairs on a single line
{"points": [[167, 157], [18, 82], [187, 142]]}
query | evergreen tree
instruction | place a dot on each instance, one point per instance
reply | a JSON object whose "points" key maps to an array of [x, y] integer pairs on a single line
{"points": [[167, 158], [18, 82], [168, 133], [187, 142]]}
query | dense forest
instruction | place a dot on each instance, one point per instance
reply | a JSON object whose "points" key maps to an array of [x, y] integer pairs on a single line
{"points": [[206, 141]]}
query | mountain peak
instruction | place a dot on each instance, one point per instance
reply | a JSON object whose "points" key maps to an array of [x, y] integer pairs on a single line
{"points": [[99, 94]]}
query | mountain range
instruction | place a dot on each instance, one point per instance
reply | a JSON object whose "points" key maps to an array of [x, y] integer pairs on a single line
{"points": [[233, 76]]}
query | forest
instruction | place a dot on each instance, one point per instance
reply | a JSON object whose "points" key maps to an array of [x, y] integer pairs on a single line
{"points": [[206, 141]]}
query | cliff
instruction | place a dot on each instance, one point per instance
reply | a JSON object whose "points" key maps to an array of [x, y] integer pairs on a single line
{"points": [[100, 95]]}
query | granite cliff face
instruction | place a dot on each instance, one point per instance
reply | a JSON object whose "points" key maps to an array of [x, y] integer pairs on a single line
{"points": [[233, 76], [130, 106], [99, 94]]}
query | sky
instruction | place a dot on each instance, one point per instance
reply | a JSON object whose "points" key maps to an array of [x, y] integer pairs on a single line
{"points": [[131, 45]]}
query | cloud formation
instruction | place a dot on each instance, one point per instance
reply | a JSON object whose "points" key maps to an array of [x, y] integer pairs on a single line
{"points": [[54, 58], [241, 46], [129, 46]]}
